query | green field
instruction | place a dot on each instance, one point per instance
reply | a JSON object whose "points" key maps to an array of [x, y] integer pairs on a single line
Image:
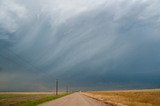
{"points": [[26, 99]]}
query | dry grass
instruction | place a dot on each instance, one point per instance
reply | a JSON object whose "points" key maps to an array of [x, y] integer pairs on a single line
{"points": [[129, 98], [26, 98], [50, 93]]}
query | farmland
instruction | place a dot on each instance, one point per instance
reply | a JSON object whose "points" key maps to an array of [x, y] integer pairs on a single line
{"points": [[128, 97], [27, 98]]}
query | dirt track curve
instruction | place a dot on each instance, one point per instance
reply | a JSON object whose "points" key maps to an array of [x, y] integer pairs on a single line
{"points": [[76, 99]]}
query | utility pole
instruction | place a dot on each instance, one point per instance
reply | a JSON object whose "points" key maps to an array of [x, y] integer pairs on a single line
{"points": [[67, 90], [56, 86]]}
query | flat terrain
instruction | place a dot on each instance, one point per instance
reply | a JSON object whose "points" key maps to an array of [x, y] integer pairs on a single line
{"points": [[128, 97], [26, 98], [97, 98], [76, 99]]}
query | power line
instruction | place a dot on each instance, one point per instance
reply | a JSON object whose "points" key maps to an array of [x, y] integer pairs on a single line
{"points": [[27, 65], [67, 88], [9, 59], [24, 60], [18, 57]]}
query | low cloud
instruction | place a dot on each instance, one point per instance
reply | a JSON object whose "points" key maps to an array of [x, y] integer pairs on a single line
{"points": [[84, 43]]}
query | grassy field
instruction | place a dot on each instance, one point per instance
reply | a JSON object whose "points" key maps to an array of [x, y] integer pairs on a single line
{"points": [[26, 99], [128, 98]]}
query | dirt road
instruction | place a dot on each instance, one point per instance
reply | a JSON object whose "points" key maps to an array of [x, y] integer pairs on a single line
{"points": [[76, 99]]}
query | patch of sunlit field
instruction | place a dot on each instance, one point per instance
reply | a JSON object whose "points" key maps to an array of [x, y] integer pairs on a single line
{"points": [[128, 97], [27, 98]]}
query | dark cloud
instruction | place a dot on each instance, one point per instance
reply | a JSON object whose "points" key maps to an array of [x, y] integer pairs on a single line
{"points": [[112, 45]]}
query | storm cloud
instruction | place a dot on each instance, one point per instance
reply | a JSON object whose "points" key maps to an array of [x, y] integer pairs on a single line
{"points": [[112, 44]]}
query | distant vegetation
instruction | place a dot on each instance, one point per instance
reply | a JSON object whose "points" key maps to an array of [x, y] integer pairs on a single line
{"points": [[26, 99], [129, 98]]}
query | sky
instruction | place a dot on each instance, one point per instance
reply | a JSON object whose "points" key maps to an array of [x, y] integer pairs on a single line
{"points": [[86, 44]]}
